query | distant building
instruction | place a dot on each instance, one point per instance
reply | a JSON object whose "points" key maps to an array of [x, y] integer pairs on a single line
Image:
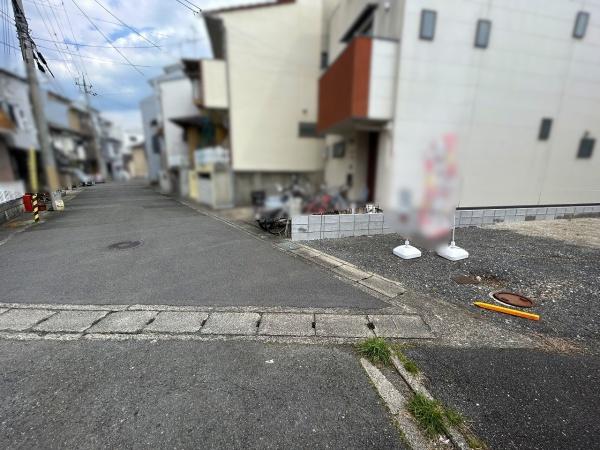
{"points": [[18, 133], [505, 93], [262, 88], [251, 111]]}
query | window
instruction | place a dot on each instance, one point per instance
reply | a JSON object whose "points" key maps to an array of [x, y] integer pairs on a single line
{"points": [[482, 35], [324, 60], [545, 129], [427, 29], [586, 147], [338, 150], [581, 23], [307, 129]]}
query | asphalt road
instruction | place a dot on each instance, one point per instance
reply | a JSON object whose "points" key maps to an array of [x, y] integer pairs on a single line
{"points": [[171, 394], [519, 398], [186, 258]]}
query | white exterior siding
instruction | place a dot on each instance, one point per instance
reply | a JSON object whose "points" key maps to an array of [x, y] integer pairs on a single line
{"points": [[382, 79], [494, 100]]}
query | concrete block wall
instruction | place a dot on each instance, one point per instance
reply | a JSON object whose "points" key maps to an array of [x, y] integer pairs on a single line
{"points": [[10, 209], [475, 217], [331, 226]]}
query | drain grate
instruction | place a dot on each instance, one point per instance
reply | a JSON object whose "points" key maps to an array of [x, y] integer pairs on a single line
{"points": [[512, 299], [124, 245]]}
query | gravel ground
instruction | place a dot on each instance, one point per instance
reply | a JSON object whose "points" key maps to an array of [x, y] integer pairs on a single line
{"points": [[585, 232], [562, 278]]}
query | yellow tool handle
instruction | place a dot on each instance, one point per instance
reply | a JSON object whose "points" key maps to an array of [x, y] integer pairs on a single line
{"points": [[512, 312]]}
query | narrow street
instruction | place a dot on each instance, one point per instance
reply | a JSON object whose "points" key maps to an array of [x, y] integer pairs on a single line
{"points": [[65, 393], [184, 258]]}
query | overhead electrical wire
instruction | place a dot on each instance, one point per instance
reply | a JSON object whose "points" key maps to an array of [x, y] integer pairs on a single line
{"points": [[107, 39], [126, 26]]}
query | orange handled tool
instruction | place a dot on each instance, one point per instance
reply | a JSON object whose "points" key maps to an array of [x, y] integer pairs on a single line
{"points": [[512, 312]]}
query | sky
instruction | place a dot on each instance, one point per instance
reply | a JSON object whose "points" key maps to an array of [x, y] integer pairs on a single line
{"points": [[58, 25]]}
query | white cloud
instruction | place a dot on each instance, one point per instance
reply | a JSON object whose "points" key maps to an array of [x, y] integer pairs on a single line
{"points": [[119, 86]]}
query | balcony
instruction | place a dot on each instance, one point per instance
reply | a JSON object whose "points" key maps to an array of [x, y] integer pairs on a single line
{"points": [[209, 82], [357, 90]]}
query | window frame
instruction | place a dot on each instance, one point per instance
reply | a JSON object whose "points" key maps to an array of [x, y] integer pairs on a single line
{"points": [[308, 130], [545, 129], [581, 15], [422, 35], [485, 44], [586, 147]]}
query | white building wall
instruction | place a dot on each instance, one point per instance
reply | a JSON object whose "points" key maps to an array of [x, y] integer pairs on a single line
{"points": [[273, 67], [176, 101], [494, 99], [214, 83], [16, 93]]}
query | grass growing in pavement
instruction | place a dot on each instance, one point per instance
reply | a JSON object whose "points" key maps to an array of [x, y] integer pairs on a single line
{"points": [[376, 350], [432, 416], [410, 366]]}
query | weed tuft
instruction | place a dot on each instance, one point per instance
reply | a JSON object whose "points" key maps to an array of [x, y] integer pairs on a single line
{"points": [[410, 366], [429, 415], [376, 350]]}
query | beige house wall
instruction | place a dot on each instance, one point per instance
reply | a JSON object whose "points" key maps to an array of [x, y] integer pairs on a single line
{"points": [[272, 71]]}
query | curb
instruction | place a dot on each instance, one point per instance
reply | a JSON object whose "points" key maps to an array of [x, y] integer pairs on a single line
{"points": [[396, 403], [343, 269], [455, 436]]}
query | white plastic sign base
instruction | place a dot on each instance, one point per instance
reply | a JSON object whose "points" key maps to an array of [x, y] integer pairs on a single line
{"points": [[452, 252], [407, 251]]}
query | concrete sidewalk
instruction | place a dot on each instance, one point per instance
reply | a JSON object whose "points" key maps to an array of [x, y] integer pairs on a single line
{"points": [[183, 258]]}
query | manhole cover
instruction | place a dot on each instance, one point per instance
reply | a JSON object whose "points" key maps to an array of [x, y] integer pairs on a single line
{"points": [[125, 245], [512, 299]]}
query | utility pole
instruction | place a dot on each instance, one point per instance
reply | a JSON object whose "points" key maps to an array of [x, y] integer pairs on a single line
{"points": [[36, 97], [87, 91]]}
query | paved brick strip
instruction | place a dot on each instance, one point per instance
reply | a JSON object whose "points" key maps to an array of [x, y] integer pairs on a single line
{"points": [[90, 320]]}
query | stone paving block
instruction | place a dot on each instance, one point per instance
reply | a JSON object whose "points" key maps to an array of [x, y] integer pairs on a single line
{"points": [[286, 324], [351, 272], [123, 322], [22, 319], [341, 325], [327, 261], [70, 321], [383, 286], [231, 323], [400, 326], [177, 322]]}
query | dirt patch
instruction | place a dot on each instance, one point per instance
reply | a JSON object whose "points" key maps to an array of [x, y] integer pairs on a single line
{"points": [[575, 231]]}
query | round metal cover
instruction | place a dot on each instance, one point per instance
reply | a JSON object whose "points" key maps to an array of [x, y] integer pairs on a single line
{"points": [[512, 299], [124, 245]]}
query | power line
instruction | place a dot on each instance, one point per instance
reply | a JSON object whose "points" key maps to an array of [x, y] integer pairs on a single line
{"points": [[108, 40], [84, 72], [196, 12], [125, 25], [97, 19], [79, 44]]}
